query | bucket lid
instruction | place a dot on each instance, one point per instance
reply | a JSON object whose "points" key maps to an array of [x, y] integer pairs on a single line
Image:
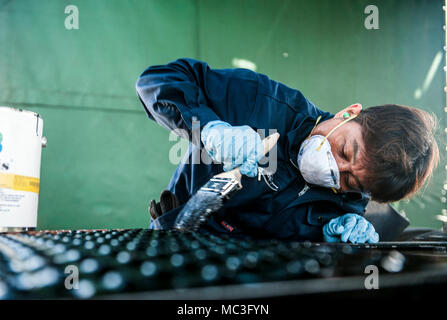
{"points": [[27, 112]]}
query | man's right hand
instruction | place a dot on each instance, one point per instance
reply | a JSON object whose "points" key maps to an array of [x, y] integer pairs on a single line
{"points": [[238, 146]]}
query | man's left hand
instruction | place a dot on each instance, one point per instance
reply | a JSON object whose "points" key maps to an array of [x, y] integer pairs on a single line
{"points": [[350, 227]]}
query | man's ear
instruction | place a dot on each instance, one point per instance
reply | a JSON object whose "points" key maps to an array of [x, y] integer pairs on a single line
{"points": [[353, 109]]}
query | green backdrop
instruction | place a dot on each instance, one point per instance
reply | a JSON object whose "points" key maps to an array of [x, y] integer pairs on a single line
{"points": [[105, 160]]}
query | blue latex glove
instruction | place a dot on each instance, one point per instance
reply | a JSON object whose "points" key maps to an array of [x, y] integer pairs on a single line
{"points": [[350, 227], [239, 146]]}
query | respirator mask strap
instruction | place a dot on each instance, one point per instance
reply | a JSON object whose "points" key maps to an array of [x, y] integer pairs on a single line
{"points": [[334, 128], [316, 122]]}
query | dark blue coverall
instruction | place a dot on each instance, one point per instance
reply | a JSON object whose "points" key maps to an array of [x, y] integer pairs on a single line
{"points": [[186, 89]]}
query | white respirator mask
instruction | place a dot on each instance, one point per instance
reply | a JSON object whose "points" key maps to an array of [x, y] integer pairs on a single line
{"points": [[316, 161]]}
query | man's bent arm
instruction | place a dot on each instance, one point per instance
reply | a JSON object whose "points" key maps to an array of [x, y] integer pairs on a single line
{"points": [[186, 89]]}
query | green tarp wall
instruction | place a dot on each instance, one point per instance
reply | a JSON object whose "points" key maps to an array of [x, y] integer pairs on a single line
{"points": [[105, 160]]}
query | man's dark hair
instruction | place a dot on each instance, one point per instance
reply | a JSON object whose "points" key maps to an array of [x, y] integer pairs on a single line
{"points": [[401, 152]]}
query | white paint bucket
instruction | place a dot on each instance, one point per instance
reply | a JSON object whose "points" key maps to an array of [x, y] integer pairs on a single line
{"points": [[21, 144]]}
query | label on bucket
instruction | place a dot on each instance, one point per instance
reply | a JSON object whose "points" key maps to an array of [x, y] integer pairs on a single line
{"points": [[20, 153], [12, 203], [19, 183]]}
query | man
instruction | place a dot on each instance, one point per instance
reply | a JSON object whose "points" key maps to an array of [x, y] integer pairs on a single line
{"points": [[327, 167]]}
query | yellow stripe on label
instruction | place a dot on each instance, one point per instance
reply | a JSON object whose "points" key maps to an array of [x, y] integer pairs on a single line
{"points": [[19, 183]]}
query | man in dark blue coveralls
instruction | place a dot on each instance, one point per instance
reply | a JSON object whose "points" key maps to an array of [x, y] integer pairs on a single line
{"points": [[327, 166]]}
